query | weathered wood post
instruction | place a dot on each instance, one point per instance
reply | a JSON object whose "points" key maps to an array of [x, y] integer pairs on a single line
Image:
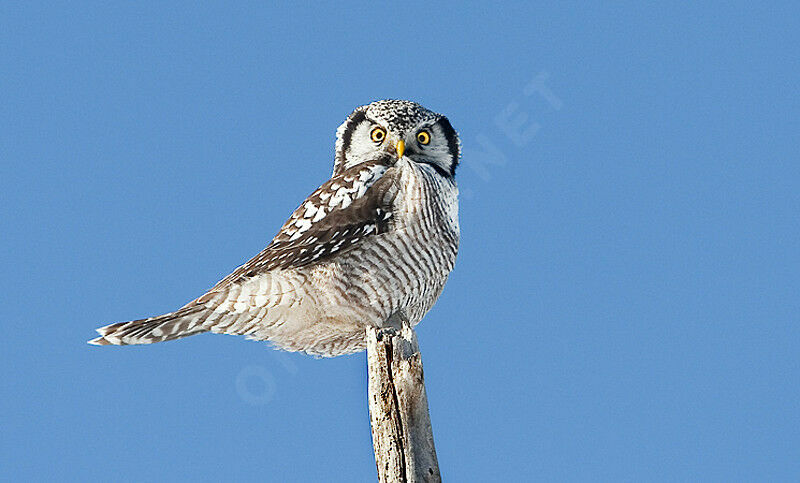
{"points": [[398, 406]]}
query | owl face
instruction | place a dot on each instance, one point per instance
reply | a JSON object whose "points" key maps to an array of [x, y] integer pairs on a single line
{"points": [[397, 129]]}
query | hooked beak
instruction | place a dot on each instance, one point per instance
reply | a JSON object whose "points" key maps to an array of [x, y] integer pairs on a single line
{"points": [[400, 147]]}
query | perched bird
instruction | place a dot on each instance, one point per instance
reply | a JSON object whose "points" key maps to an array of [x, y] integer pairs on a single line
{"points": [[372, 246]]}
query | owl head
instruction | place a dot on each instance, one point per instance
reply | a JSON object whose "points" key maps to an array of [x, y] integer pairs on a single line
{"points": [[398, 129]]}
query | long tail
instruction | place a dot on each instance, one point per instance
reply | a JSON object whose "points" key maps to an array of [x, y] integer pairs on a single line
{"points": [[181, 323]]}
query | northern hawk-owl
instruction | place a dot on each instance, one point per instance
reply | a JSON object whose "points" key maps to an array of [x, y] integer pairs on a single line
{"points": [[372, 246]]}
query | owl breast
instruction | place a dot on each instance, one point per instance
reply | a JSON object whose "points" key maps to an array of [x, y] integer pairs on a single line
{"points": [[394, 276]]}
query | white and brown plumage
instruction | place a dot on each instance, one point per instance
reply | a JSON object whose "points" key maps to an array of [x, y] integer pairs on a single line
{"points": [[371, 246]]}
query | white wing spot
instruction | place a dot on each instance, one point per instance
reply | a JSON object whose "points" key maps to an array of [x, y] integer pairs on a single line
{"points": [[311, 210], [320, 215]]}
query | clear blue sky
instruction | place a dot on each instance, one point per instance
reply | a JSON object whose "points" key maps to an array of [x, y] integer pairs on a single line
{"points": [[625, 303]]}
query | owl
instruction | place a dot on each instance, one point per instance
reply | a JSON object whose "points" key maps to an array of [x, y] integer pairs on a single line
{"points": [[372, 246]]}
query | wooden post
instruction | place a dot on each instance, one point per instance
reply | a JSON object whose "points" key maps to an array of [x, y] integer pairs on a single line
{"points": [[398, 406]]}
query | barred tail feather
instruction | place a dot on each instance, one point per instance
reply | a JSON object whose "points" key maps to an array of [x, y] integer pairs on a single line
{"points": [[181, 323]]}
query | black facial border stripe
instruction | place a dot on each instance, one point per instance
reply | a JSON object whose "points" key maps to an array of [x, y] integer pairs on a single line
{"points": [[355, 119], [452, 141], [439, 169]]}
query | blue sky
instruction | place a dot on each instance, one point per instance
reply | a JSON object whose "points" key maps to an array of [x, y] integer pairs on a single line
{"points": [[624, 306]]}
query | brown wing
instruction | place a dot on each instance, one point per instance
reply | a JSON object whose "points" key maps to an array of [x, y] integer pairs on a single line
{"points": [[344, 211]]}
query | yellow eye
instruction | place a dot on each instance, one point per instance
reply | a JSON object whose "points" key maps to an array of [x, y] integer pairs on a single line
{"points": [[423, 137], [378, 134]]}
